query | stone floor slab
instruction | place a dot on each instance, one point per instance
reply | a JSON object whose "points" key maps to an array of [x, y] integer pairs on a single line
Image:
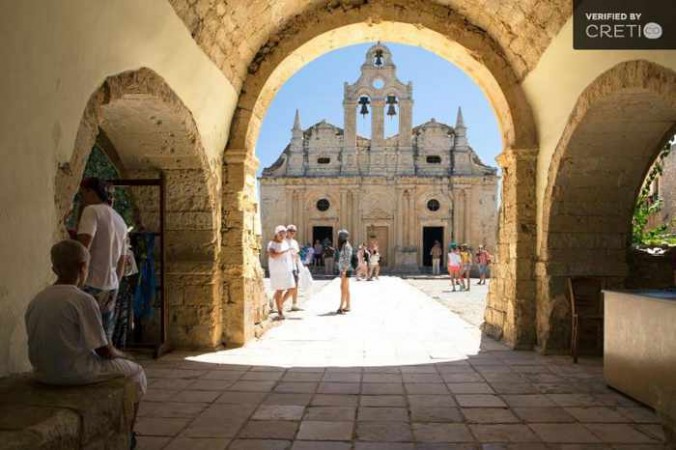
{"points": [[279, 412], [442, 432], [619, 434], [325, 431], [331, 413], [470, 388], [489, 415], [384, 431], [503, 433], [269, 429], [321, 445], [543, 415], [382, 400], [150, 426], [196, 444], [427, 414], [259, 444], [393, 414], [479, 401], [564, 433], [334, 400]]}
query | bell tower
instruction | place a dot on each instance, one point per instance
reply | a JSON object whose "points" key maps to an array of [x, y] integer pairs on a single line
{"points": [[378, 92]]}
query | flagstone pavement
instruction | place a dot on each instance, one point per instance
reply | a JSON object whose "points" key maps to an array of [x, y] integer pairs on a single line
{"points": [[400, 371]]}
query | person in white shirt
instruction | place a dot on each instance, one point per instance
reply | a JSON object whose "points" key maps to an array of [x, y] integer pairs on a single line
{"points": [[280, 268], [66, 341], [103, 232], [295, 266]]}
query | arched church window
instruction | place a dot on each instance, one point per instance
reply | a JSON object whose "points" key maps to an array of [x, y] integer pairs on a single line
{"points": [[323, 205], [433, 205], [434, 159], [323, 160]]}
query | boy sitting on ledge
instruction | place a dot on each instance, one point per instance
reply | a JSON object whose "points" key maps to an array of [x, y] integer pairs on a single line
{"points": [[66, 341]]}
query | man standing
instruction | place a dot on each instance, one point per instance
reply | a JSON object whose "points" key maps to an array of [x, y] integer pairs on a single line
{"points": [[103, 232], [435, 253], [295, 264]]}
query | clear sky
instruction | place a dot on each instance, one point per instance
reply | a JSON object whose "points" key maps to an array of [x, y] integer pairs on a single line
{"points": [[439, 87]]}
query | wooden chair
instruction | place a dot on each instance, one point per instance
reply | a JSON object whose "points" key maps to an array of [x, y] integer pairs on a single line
{"points": [[586, 305]]}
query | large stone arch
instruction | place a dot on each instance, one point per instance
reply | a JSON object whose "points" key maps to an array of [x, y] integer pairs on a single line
{"points": [[612, 137], [437, 28], [152, 131]]}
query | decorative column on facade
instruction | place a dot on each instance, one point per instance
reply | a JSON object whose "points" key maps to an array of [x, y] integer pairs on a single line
{"points": [[350, 156], [511, 310], [405, 164], [296, 163]]}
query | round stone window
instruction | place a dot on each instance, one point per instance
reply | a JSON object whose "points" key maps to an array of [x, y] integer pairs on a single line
{"points": [[433, 205], [378, 83], [323, 205]]}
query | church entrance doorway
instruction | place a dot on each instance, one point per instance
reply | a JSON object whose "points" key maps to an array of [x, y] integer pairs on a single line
{"points": [[321, 234], [430, 235]]}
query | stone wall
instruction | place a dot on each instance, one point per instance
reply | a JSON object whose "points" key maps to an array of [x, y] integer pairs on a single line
{"points": [[59, 54]]}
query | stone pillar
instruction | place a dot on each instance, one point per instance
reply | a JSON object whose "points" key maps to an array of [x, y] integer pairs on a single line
{"points": [[405, 122], [377, 124], [511, 310], [244, 301], [193, 283], [350, 163]]}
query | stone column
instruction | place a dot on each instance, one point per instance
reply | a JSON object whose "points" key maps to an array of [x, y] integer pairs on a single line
{"points": [[244, 303], [511, 310], [192, 276], [377, 123], [350, 163]]}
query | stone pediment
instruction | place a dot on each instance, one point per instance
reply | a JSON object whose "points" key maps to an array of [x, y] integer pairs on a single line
{"points": [[377, 213]]}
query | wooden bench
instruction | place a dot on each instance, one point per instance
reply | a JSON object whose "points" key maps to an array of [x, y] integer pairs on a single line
{"points": [[36, 416]]}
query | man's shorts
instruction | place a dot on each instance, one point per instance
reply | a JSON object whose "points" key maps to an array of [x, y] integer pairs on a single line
{"points": [[482, 269]]}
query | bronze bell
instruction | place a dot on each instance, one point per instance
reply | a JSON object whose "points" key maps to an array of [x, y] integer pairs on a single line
{"points": [[379, 58], [363, 101], [391, 101]]}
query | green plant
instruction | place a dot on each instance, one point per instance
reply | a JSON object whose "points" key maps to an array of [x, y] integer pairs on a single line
{"points": [[649, 204]]}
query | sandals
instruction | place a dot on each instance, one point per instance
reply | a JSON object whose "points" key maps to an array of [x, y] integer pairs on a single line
{"points": [[340, 311]]}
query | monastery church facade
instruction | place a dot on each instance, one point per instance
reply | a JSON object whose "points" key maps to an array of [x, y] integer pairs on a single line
{"points": [[404, 192]]}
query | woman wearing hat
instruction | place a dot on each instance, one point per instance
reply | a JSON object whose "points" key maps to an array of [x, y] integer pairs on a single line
{"points": [[280, 267], [345, 270]]}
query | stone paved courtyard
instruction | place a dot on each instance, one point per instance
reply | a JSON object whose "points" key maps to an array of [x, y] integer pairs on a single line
{"points": [[400, 371]]}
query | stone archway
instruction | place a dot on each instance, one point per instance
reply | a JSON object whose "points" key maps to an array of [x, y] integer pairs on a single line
{"points": [[152, 131], [436, 28], [612, 137]]}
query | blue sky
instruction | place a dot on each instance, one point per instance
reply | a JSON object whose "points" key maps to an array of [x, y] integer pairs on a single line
{"points": [[439, 87]]}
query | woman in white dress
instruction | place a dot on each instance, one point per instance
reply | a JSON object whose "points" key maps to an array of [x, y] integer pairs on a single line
{"points": [[280, 267]]}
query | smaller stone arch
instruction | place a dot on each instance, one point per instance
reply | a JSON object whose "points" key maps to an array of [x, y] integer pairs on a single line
{"points": [[152, 131], [612, 137]]}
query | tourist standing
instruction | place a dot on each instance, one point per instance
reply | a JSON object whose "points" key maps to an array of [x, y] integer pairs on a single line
{"points": [[329, 258], [319, 250], [436, 253], [103, 232], [280, 267], [344, 269], [294, 252], [454, 263], [309, 255], [483, 259], [374, 265], [363, 257], [466, 258]]}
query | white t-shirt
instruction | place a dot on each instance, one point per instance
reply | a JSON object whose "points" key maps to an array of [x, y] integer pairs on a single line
{"points": [[293, 254], [109, 235], [64, 327], [454, 259]]}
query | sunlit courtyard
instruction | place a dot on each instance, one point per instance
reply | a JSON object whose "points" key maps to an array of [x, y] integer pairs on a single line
{"points": [[399, 371]]}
